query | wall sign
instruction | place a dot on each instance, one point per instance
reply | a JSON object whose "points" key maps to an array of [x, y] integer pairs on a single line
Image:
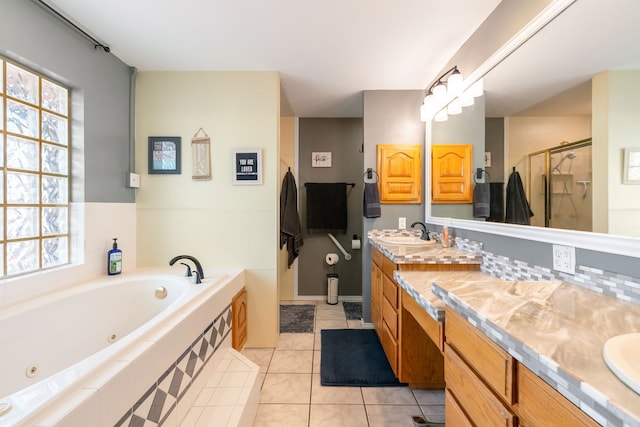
{"points": [[247, 166], [164, 155], [321, 159]]}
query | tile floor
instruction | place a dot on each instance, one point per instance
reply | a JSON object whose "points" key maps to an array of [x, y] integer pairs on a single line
{"points": [[292, 395]]}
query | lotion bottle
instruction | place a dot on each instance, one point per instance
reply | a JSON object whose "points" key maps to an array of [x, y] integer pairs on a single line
{"points": [[445, 236], [114, 259]]}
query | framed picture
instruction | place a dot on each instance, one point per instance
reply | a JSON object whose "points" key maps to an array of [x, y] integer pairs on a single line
{"points": [[247, 166], [631, 174], [164, 155]]}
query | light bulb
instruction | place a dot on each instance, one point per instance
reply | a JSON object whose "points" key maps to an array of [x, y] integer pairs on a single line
{"points": [[426, 113], [454, 83], [441, 115], [454, 107], [439, 93], [466, 100]]}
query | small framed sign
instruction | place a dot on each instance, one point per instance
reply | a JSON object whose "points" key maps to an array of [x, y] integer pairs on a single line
{"points": [[164, 155], [247, 168]]}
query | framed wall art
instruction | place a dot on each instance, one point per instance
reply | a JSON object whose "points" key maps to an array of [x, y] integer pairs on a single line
{"points": [[164, 155], [247, 166], [631, 169]]}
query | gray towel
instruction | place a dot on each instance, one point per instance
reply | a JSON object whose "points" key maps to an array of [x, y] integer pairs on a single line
{"points": [[481, 200], [290, 230], [371, 201]]}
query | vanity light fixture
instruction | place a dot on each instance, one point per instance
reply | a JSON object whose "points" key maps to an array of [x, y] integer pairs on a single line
{"points": [[446, 96]]}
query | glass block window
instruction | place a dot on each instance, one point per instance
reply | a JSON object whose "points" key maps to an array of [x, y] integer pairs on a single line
{"points": [[34, 171]]}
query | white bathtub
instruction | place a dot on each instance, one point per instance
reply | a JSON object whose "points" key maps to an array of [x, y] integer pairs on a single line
{"points": [[104, 347]]}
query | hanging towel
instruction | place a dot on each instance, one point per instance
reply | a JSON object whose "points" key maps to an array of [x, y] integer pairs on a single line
{"points": [[327, 207], [481, 200], [496, 204], [518, 210], [371, 201], [290, 230]]}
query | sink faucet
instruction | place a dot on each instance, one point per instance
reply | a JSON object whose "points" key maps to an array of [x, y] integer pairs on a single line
{"points": [[199, 272], [425, 232]]}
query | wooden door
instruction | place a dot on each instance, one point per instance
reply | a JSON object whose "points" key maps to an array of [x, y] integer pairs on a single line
{"points": [[451, 173], [400, 173]]}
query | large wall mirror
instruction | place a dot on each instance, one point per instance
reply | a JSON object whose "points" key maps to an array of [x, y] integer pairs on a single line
{"points": [[561, 109]]}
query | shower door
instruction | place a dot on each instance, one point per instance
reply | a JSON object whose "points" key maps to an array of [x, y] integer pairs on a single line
{"points": [[560, 186]]}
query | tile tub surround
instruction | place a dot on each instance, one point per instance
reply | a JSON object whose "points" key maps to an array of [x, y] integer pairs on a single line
{"points": [[558, 331], [432, 254]]}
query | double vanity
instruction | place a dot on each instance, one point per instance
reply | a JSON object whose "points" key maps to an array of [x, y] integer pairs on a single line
{"points": [[506, 352]]}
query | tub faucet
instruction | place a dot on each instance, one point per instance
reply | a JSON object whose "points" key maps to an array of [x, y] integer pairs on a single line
{"points": [[425, 232], [200, 273]]}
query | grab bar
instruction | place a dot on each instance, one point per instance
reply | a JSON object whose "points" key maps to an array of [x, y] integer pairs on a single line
{"points": [[346, 254]]}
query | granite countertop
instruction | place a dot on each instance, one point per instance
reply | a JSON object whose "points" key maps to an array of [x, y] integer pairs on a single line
{"points": [[432, 253], [554, 328]]}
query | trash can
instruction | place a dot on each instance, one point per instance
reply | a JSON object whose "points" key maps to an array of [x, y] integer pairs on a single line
{"points": [[332, 288]]}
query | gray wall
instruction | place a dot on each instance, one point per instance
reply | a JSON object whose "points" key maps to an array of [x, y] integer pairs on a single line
{"points": [[494, 143], [390, 117], [100, 85], [343, 138]]}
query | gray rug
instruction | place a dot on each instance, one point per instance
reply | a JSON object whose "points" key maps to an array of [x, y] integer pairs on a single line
{"points": [[297, 318], [353, 310]]}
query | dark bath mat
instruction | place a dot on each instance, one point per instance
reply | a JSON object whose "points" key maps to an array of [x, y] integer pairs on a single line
{"points": [[297, 318], [353, 310], [355, 358]]}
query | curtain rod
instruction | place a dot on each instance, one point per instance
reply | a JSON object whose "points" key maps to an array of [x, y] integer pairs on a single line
{"points": [[51, 10]]}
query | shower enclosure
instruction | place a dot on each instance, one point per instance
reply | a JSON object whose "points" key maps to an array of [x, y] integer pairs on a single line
{"points": [[559, 186]]}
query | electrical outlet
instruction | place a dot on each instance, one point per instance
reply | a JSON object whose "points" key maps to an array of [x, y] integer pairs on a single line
{"points": [[402, 223], [134, 180], [564, 258]]}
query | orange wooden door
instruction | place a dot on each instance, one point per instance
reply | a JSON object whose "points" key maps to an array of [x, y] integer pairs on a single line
{"points": [[451, 173]]}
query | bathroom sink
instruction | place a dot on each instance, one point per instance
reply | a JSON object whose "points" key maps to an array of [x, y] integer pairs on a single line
{"points": [[406, 240], [621, 354]]}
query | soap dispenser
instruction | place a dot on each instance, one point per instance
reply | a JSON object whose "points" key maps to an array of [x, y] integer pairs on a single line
{"points": [[114, 259]]}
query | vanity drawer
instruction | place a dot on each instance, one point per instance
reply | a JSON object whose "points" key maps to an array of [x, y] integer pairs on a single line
{"points": [[453, 413], [377, 256], [390, 346], [480, 404], [390, 291], [538, 401], [390, 316], [485, 357]]}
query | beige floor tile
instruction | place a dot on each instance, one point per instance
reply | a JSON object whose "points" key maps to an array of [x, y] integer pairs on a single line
{"points": [[286, 388], [330, 324], [322, 305], [277, 415], [388, 396], [259, 356], [433, 413], [292, 341], [317, 341], [330, 315], [429, 397], [316, 361], [291, 362], [392, 415], [338, 416], [354, 324], [333, 395]]}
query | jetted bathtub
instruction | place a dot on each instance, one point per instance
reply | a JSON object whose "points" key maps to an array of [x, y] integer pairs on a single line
{"points": [[110, 347]]}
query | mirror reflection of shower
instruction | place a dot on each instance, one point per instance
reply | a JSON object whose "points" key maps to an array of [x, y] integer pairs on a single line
{"points": [[563, 177]]}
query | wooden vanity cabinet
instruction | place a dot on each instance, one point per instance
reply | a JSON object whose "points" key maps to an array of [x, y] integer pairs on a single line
{"points": [[486, 386], [451, 173], [540, 405], [400, 173], [239, 320], [412, 340]]}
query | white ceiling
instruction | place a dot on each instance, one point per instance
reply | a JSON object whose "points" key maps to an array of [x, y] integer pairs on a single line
{"points": [[326, 52]]}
